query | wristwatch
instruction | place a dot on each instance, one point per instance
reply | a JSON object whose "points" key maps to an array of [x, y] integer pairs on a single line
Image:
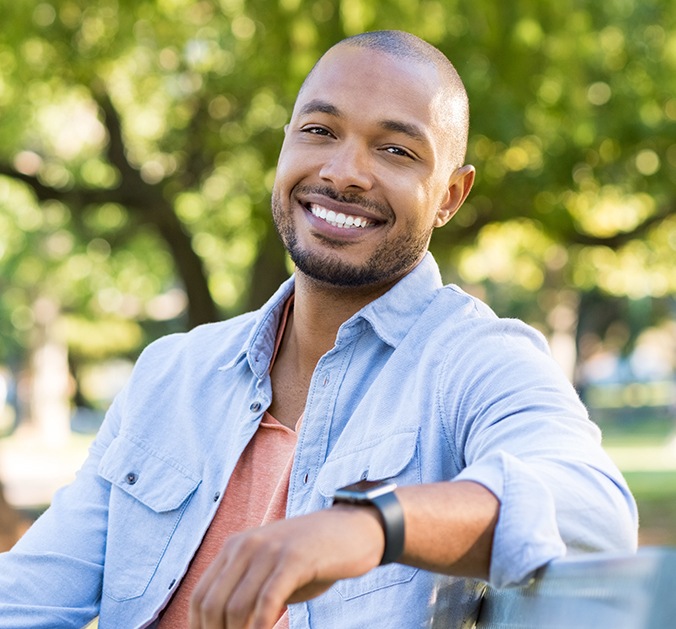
{"points": [[379, 494]]}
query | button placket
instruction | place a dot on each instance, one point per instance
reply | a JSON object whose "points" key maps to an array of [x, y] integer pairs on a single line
{"points": [[318, 407]]}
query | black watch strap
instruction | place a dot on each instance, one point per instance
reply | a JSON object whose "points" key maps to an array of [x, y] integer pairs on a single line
{"points": [[392, 517], [390, 512]]}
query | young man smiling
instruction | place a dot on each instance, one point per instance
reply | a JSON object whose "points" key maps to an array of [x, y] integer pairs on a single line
{"points": [[220, 490]]}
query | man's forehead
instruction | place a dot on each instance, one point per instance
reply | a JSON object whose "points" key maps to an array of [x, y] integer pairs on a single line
{"points": [[358, 61], [369, 72]]}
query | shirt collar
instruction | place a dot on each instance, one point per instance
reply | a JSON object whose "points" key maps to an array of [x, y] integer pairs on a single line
{"points": [[390, 316], [259, 345]]}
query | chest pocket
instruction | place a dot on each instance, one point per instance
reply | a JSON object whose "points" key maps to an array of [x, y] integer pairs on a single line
{"points": [[395, 457], [147, 499]]}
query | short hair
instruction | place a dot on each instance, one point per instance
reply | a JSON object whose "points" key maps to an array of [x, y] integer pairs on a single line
{"points": [[409, 46]]}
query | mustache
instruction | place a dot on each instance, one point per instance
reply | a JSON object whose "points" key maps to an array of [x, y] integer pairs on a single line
{"points": [[351, 199]]}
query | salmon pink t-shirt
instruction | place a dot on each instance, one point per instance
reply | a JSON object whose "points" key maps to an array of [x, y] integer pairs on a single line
{"points": [[255, 496]]}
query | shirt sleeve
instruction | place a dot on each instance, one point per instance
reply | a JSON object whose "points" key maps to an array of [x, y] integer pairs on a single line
{"points": [[52, 577], [523, 433]]}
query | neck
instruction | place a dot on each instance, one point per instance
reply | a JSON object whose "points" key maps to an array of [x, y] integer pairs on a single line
{"points": [[319, 310]]}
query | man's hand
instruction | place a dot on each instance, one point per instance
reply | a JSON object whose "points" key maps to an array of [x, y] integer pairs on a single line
{"points": [[259, 571], [449, 529]]}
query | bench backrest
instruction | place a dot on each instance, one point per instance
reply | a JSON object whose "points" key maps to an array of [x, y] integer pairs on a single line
{"points": [[602, 591]]}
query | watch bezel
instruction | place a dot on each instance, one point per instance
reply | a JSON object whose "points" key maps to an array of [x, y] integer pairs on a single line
{"points": [[364, 491]]}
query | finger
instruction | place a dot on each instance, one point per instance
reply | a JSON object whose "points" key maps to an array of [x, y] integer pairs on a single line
{"points": [[202, 588], [253, 597], [207, 610], [214, 588], [291, 579], [283, 580]]}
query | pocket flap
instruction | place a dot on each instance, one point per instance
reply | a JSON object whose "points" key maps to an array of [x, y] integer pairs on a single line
{"points": [[386, 458], [140, 472]]}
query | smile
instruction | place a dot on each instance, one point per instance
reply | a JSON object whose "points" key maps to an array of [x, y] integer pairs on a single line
{"points": [[346, 221]]}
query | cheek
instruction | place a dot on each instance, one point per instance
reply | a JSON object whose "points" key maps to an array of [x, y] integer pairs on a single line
{"points": [[280, 177], [294, 161], [285, 164], [420, 206], [436, 199]]}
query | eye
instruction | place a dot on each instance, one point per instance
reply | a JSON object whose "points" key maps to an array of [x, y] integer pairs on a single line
{"points": [[316, 130], [397, 150]]}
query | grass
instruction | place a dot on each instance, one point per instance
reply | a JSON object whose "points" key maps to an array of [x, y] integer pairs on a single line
{"points": [[645, 450], [655, 493]]}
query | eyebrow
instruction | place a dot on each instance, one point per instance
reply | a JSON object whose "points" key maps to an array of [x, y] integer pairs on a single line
{"points": [[411, 130], [320, 106]]}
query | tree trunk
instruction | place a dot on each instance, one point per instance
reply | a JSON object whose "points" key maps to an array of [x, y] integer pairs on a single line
{"points": [[12, 525], [269, 269], [189, 266]]}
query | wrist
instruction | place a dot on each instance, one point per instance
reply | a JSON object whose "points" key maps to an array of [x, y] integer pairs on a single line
{"points": [[380, 499], [366, 526]]}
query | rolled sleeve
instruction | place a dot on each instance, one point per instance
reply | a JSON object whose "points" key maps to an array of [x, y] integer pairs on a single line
{"points": [[527, 533], [525, 435]]}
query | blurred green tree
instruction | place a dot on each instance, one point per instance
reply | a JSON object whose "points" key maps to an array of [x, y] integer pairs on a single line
{"points": [[138, 143]]}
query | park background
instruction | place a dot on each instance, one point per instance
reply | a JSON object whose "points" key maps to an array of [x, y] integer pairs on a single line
{"points": [[138, 142]]}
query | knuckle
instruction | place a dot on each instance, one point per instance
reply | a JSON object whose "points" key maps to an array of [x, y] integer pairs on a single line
{"points": [[237, 611], [268, 598], [249, 542], [210, 610]]}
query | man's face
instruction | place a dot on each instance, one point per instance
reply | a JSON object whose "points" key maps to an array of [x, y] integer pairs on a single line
{"points": [[363, 174]]}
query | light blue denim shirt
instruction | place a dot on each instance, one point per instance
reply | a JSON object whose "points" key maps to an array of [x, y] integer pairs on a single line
{"points": [[424, 384]]}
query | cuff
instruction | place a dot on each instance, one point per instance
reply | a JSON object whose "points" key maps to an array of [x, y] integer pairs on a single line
{"points": [[526, 535]]}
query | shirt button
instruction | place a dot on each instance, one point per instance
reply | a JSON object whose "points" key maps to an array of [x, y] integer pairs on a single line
{"points": [[217, 495], [255, 407], [131, 478]]}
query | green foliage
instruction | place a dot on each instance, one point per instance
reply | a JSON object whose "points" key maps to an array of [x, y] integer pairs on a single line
{"points": [[138, 143]]}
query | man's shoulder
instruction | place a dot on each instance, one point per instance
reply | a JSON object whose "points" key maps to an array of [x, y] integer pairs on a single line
{"points": [[464, 304], [211, 342], [465, 320]]}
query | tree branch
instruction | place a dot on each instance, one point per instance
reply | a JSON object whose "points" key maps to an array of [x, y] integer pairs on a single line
{"points": [[76, 197], [115, 150], [618, 240], [196, 165]]}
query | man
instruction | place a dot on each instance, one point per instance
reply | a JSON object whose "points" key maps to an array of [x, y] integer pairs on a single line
{"points": [[208, 497]]}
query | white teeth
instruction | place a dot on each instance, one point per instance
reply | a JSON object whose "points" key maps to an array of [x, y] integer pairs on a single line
{"points": [[345, 221]]}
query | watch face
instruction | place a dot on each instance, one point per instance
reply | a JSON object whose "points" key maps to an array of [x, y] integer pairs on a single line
{"points": [[364, 490]]}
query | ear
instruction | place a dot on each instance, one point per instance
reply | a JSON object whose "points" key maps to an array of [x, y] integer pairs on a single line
{"points": [[458, 188]]}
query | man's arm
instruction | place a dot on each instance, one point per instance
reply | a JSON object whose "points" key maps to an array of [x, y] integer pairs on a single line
{"points": [[448, 528], [52, 577]]}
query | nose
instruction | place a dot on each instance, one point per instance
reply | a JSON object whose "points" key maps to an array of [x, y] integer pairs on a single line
{"points": [[348, 166]]}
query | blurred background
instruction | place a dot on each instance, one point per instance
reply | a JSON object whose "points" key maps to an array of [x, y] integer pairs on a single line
{"points": [[138, 142]]}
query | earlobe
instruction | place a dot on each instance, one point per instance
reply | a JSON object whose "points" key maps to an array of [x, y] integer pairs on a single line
{"points": [[458, 188]]}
